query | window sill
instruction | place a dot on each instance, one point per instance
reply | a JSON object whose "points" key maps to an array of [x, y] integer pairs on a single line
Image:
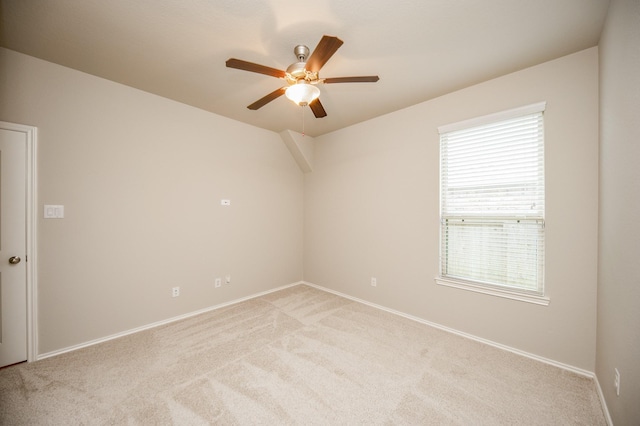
{"points": [[538, 300]]}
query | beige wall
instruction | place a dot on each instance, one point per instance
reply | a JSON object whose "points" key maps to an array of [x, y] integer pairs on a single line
{"points": [[618, 343], [141, 179], [371, 209]]}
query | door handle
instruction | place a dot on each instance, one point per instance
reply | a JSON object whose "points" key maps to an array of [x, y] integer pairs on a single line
{"points": [[14, 260]]}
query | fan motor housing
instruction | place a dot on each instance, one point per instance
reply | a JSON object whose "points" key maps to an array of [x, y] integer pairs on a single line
{"points": [[297, 70]]}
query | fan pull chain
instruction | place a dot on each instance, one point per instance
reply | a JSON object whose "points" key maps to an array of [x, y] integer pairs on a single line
{"points": [[303, 120]]}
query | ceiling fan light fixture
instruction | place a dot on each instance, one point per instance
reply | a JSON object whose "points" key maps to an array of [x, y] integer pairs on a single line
{"points": [[302, 93], [301, 77]]}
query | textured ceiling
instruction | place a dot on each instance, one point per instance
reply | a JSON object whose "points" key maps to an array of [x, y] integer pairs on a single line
{"points": [[421, 49]]}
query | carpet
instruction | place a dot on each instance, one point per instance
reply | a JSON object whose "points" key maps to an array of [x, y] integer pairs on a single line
{"points": [[295, 356]]}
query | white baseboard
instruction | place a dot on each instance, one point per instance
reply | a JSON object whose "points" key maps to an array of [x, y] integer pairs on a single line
{"points": [[571, 368], [567, 367], [159, 323], [605, 409]]}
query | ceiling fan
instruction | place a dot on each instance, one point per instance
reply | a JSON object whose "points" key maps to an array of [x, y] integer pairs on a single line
{"points": [[302, 77]]}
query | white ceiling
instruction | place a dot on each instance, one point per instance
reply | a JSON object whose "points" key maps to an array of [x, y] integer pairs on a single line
{"points": [[421, 49]]}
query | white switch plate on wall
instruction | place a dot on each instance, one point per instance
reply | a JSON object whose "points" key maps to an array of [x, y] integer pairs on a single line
{"points": [[53, 211]]}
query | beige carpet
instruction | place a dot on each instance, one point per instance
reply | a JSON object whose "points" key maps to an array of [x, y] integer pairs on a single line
{"points": [[296, 356]]}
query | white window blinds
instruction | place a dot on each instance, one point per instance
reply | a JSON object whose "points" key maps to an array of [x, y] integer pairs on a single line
{"points": [[492, 201]]}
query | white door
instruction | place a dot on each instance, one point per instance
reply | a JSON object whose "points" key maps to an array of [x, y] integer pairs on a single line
{"points": [[13, 249]]}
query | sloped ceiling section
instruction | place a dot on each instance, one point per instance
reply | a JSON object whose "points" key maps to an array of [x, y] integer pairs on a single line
{"points": [[420, 49], [301, 148]]}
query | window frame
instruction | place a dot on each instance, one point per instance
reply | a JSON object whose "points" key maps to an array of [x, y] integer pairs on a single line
{"points": [[514, 293]]}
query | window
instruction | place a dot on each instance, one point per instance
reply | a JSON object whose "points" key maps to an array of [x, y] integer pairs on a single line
{"points": [[492, 204]]}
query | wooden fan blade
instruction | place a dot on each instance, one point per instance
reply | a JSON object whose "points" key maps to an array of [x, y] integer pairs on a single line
{"points": [[317, 108], [266, 99], [362, 79], [323, 52], [250, 66]]}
